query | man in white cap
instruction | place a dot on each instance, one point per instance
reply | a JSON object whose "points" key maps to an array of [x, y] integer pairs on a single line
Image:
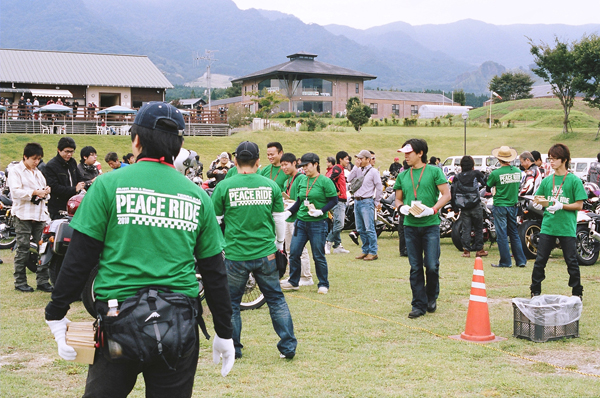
{"points": [[507, 180], [219, 169], [422, 183]]}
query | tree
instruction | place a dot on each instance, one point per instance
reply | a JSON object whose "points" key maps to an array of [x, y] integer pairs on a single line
{"points": [[557, 67], [587, 63], [266, 101], [234, 91], [358, 113], [511, 86], [460, 97]]}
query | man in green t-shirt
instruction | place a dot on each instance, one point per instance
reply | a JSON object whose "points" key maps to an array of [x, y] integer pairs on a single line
{"points": [[273, 171], [251, 207], [423, 184], [566, 193], [146, 226], [507, 182]]}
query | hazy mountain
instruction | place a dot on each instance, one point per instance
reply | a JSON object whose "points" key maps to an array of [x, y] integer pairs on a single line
{"points": [[477, 81]]}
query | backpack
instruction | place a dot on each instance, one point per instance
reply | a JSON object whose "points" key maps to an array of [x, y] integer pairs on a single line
{"points": [[465, 197]]}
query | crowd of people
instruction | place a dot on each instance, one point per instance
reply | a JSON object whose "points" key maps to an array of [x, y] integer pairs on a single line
{"points": [[263, 212], [26, 108]]}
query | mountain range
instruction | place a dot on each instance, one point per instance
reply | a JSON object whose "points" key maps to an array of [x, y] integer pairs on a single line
{"points": [[172, 33]]}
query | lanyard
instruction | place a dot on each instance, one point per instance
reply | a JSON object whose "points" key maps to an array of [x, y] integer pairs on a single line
{"points": [[271, 173], [313, 184], [418, 182], [161, 160], [559, 188], [289, 188]]}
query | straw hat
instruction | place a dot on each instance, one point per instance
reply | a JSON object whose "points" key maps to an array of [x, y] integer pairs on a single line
{"points": [[505, 153]]}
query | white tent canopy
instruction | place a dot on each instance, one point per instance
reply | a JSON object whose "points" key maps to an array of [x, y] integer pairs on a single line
{"points": [[433, 111]]}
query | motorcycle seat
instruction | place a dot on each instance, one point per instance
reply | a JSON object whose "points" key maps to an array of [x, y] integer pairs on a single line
{"points": [[593, 215]]}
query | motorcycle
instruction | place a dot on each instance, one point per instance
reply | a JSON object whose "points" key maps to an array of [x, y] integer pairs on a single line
{"points": [[8, 237]]}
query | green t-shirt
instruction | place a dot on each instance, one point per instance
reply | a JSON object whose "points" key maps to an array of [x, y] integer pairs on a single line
{"points": [[562, 222], [316, 190], [276, 174], [292, 191], [427, 192], [232, 171], [507, 180], [152, 221], [247, 202]]}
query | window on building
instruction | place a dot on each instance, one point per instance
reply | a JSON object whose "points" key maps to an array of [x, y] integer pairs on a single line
{"points": [[317, 87], [414, 110], [357, 89], [312, 106], [396, 109], [373, 109]]}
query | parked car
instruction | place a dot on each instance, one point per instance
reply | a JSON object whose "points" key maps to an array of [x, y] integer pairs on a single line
{"points": [[581, 166]]}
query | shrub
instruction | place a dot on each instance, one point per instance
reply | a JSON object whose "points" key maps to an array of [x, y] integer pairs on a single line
{"points": [[238, 115]]}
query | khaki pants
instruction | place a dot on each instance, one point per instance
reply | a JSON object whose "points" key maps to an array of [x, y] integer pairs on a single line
{"points": [[304, 259], [25, 229]]}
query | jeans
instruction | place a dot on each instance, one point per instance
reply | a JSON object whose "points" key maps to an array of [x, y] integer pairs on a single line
{"points": [[569, 247], [112, 379], [364, 216], [423, 247], [472, 219], [304, 259], [24, 230], [314, 232], [505, 220], [267, 277], [339, 217]]}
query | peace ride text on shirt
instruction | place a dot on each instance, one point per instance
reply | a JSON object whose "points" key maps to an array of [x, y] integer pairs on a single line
{"points": [[250, 196], [510, 178], [146, 207]]}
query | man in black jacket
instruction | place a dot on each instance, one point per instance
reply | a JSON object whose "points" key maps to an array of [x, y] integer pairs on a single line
{"points": [[63, 176]]}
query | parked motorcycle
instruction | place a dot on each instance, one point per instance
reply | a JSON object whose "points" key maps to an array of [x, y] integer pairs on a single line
{"points": [[8, 237]]}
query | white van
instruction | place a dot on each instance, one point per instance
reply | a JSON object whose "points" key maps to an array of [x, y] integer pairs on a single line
{"points": [[581, 166], [482, 162]]}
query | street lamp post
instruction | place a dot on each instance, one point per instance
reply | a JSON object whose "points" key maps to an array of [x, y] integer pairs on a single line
{"points": [[465, 116]]}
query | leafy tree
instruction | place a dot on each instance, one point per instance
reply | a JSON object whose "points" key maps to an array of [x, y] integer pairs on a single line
{"points": [[587, 63], [358, 113], [460, 97], [266, 101], [238, 115], [557, 67], [234, 91], [511, 86]]}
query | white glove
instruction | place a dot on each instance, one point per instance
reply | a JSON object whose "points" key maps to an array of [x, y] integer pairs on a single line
{"points": [[537, 206], [279, 245], [428, 211], [287, 214], [404, 209], [59, 330], [223, 348], [315, 213], [555, 206]]}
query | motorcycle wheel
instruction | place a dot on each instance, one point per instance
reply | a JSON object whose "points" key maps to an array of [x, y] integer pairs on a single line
{"points": [[7, 241], [87, 296], [54, 267], [253, 298], [586, 253], [456, 235], [529, 233]]}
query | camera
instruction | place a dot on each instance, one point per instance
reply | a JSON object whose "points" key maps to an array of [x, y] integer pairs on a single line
{"points": [[36, 200]]}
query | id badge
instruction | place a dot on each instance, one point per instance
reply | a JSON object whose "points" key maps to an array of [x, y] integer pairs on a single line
{"points": [[306, 202]]}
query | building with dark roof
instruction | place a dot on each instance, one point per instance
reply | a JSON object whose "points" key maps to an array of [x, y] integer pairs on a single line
{"points": [[309, 85]]}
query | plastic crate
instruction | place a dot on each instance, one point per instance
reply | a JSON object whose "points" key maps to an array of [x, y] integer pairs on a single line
{"points": [[525, 329]]}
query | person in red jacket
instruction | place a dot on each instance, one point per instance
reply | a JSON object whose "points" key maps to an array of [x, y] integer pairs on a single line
{"points": [[334, 239]]}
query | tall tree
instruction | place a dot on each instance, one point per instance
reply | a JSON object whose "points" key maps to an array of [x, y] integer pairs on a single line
{"points": [[460, 97], [587, 63], [556, 65], [358, 113], [511, 86]]}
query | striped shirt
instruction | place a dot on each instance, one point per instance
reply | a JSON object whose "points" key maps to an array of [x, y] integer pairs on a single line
{"points": [[22, 182]]}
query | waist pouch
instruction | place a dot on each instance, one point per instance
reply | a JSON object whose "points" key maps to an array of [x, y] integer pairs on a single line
{"points": [[155, 324]]}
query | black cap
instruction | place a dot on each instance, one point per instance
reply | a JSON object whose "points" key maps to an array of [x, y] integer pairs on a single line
{"points": [[170, 117], [247, 151], [309, 158]]}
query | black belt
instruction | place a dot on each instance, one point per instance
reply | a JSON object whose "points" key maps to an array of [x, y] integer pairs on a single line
{"points": [[362, 198]]}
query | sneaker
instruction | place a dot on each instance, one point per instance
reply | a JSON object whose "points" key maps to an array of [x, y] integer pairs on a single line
{"points": [[340, 250], [328, 247], [501, 266], [305, 281], [521, 266], [354, 236], [288, 286], [288, 356], [24, 288], [323, 290]]}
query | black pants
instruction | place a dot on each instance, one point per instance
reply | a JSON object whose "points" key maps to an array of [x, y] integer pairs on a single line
{"points": [[569, 248], [401, 239], [472, 219], [116, 380]]}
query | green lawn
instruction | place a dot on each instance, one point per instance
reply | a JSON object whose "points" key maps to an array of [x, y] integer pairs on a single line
{"points": [[354, 342]]}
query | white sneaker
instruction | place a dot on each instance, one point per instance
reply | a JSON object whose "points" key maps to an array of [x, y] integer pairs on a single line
{"points": [[340, 250], [323, 290], [288, 286], [328, 247], [305, 281]]}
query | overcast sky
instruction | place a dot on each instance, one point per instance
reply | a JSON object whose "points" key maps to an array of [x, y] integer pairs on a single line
{"points": [[363, 14]]}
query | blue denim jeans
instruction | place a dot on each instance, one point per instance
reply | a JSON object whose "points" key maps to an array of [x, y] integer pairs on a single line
{"points": [[267, 277], [364, 216], [314, 232], [423, 248], [505, 220], [339, 216]]}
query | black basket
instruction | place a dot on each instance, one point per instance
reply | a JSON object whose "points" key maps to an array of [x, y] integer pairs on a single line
{"points": [[525, 329]]}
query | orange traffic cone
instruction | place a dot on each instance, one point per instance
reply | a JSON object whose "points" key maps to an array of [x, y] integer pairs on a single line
{"points": [[478, 316]]}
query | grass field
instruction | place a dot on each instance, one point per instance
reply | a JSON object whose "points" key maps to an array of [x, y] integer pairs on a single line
{"points": [[354, 342]]}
